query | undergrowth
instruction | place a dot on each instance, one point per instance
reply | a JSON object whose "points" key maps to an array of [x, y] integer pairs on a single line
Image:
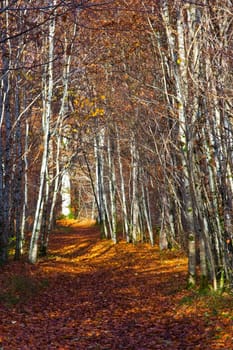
{"points": [[19, 288], [214, 302]]}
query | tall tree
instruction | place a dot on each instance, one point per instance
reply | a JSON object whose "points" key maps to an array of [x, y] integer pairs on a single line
{"points": [[48, 85]]}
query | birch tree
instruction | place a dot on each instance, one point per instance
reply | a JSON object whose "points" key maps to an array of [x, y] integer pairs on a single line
{"points": [[46, 117], [5, 138]]}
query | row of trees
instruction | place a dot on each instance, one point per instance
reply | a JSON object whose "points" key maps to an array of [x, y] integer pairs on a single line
{"points": [[123, 111]]}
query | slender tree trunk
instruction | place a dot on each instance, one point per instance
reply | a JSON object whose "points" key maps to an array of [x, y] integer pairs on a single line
{"points": [[100, 191], [122, 186], [112, 187], [135, 229], [145, 208], [18, 204], [33, 250], [58, 130], [5, 153], [25, 191], [66, 193], [179, 67]]}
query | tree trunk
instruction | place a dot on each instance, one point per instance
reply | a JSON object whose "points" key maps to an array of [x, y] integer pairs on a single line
{"points": [[5, 152], [48, 93], [135, 229], [100, 191], [112, 187], [122, 187]]}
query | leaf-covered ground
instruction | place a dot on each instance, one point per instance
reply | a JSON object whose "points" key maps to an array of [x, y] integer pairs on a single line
{"points": [[91, 294]]}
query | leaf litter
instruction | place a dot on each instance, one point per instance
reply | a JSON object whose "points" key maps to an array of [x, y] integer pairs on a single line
{"points": [[91, 294]]}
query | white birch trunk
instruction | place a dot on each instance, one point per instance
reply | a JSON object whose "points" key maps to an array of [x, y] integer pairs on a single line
{"points": [[100, 191], [25, 191], [145, 208], [33, 250], [112, 189], [18, 175], [135, 229], [65, 182], [66, 193], [179, 64], [122, 186], [5, 153]]}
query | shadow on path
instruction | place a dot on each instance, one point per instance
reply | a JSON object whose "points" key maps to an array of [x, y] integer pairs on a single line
{"points": [[108, 297]]}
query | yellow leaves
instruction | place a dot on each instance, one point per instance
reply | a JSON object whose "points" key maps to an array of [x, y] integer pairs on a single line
{"points": [[82, 102], [89, 107], [28, 76], [137, 44], [181, 62], [97, 112]]}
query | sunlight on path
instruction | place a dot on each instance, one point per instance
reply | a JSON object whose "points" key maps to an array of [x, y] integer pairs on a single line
{"points": [[79, 223], [93, 294]]}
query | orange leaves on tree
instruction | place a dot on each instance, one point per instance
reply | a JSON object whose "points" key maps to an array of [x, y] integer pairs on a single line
{"points": [[86, 108]]}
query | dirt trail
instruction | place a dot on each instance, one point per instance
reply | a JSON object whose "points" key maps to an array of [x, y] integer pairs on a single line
{"points": [[92, 294]]}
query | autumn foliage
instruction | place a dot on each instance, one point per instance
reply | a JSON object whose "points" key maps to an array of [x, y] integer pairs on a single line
{"points": [[92, 294]]}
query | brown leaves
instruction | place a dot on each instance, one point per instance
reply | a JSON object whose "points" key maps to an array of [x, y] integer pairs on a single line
{"points": [[104, 296]]}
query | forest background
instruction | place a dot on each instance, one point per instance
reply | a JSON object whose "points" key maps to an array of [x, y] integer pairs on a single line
{"points": [[120, 110]]}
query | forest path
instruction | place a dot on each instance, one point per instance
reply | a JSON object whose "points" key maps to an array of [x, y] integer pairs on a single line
{"points": [[90, 294]]}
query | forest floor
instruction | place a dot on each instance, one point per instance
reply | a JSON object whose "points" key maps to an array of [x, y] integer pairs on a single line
{"points": [[89, 294]]}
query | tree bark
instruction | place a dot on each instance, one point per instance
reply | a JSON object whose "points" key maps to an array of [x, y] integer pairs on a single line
{"points": [[48, 93]]}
